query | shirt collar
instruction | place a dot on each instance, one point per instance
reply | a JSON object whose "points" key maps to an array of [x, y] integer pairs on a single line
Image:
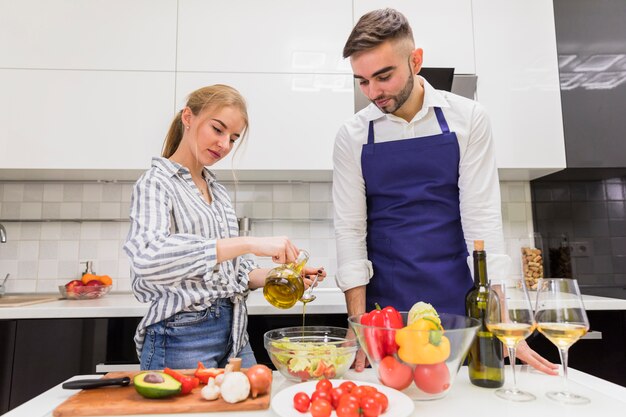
{"points": [[174, 168], [432, 98]]}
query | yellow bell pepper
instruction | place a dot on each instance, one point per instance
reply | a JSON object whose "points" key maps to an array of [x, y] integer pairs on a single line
{"points": [[422, 342]]}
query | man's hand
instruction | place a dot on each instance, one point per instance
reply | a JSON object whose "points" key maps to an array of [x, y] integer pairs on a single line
{"points": [[355, 303], [532, 358]]}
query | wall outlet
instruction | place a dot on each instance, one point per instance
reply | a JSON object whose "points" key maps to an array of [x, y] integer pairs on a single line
{"points": [[581, 249]]}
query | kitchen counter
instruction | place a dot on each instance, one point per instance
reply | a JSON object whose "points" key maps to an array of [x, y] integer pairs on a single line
{"points": [[606, 399], [329, 301]]}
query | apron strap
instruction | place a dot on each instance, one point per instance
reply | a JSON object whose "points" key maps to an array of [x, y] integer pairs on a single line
{"points": [[370, 133], [442, 120]]}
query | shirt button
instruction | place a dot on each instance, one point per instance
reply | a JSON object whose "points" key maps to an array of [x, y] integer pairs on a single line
{"points": [[219, 220]]}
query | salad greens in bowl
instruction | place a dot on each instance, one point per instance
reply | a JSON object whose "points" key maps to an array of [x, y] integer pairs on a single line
{"points": [[311, 352]]}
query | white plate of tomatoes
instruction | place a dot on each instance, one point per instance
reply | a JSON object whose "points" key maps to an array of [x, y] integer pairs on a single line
{"points": [[291, 403]]}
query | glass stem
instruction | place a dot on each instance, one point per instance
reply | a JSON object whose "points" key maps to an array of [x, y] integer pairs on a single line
{"points": [[563, 355], [512, 360]]}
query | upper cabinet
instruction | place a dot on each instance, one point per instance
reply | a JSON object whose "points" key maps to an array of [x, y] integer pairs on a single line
{"points": [[91, 86], [275, 36], [88, 34], [591, 42], [442, 28], [518, 83], [83, 120], [293, 121]]}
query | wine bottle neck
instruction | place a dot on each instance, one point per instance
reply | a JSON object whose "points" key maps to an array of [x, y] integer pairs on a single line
{"points": [[480, 268]]}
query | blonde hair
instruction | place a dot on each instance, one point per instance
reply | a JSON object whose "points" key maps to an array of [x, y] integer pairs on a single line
{"points": [[215, 96]]}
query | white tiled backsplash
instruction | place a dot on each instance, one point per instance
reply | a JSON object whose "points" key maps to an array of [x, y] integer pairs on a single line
{"points": [[43, 252]]}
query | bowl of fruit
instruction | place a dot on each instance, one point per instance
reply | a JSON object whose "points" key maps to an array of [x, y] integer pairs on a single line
{"points": [[89, 287], [417, 352], [311, 352]]}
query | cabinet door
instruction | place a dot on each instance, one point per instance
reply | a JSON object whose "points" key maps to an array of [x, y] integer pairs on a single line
{"points": [[443, 28], [293, 117], [518, 81], [263, 36], [88, 34], [83, 119]]}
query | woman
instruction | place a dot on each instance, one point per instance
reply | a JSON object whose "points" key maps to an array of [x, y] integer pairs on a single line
{"points": [[185, 252]]}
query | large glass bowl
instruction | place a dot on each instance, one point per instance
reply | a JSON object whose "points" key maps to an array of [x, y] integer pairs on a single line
{"points": [[420, 381], [311, 352]]}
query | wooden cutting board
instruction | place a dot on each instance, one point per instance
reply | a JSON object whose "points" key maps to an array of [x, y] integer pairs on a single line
{"points": [[114, 401], [23, 300]]}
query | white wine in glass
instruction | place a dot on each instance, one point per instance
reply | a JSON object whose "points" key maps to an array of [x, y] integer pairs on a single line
{"points": [[562, 319], [510, 318]]}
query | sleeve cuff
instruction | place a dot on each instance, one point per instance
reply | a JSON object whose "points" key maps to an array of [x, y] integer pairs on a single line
{"points": [[354, 274]]}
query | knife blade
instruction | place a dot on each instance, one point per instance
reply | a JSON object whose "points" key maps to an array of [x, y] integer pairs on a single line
{"points": [[96, 383]]}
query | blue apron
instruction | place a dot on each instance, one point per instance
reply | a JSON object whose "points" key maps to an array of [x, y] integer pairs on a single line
{"points": [[415, 239]]}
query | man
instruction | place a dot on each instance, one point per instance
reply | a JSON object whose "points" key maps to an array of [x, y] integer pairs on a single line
{"points": [[415, 182]]}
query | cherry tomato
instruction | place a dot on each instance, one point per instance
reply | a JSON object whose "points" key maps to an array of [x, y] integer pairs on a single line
{"points": [[359, 391], [370, 407], [301, 402], [323, 385], [323, 395], [369, 389], [335, 395], [321, 408], [432, 379], [382, 400], [347, 410], [349, 398], [394, 373], [348, 385]]}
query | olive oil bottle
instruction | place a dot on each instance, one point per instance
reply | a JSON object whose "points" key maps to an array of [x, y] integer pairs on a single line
{"points": [[484, 360], [284, 285]]}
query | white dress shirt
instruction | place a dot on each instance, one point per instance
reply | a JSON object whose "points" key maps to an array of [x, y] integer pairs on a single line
{"points": [[479, 188]]}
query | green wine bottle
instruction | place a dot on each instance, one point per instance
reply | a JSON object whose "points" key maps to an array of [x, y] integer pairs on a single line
{"points": [[484, 359]]}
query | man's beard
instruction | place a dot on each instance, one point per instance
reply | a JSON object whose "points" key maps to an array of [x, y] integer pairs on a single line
{"points": [[400, 98]]}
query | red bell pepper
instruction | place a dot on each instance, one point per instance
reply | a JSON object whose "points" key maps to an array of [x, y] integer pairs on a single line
{"points": [[203, 374], [188, 383], [381, 343]]}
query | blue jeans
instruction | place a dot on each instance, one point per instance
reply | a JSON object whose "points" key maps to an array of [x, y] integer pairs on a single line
{"points": [[182, 340]]}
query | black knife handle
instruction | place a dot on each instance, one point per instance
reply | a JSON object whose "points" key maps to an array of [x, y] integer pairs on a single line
{"points": [[96, 383]]}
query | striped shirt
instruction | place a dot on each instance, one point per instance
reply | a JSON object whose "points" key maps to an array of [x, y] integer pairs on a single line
{"points": [[172, 249]]}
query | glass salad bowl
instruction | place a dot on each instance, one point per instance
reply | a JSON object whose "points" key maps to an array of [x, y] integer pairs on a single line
{"points": [[426, 367], [311, 352]]}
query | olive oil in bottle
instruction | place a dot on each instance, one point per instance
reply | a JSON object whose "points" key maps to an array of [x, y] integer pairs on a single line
{"points": [[484, 360], [284, 285]]}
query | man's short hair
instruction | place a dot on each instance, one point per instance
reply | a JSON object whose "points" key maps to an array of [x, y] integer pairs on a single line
{"points": [[376, 27]]}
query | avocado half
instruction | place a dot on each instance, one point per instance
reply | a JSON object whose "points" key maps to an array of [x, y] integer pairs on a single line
{"points": [[154, 384]]}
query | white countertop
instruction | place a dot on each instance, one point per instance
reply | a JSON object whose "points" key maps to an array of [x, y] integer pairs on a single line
{"points": [[607, 399], [328, 301]]}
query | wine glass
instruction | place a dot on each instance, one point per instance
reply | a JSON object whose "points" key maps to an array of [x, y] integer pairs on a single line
{"points": [[561, 317], [510, 318]]}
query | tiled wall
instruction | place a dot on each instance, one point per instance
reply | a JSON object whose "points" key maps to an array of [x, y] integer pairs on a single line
{"points": [[591, 214], [42, 253]]}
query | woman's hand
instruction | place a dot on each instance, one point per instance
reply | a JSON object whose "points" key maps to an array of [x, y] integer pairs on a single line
{"points": [[308, 276], [280, 248]]}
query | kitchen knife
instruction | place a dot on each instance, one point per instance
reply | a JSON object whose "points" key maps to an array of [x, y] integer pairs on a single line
{"points": [[96, 383]]}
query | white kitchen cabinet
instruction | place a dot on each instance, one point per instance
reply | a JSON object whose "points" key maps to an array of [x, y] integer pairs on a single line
{"points": [[518, 83], [293, 120], [83, 120], [286, 36], [88, 34], [443, 28]]}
